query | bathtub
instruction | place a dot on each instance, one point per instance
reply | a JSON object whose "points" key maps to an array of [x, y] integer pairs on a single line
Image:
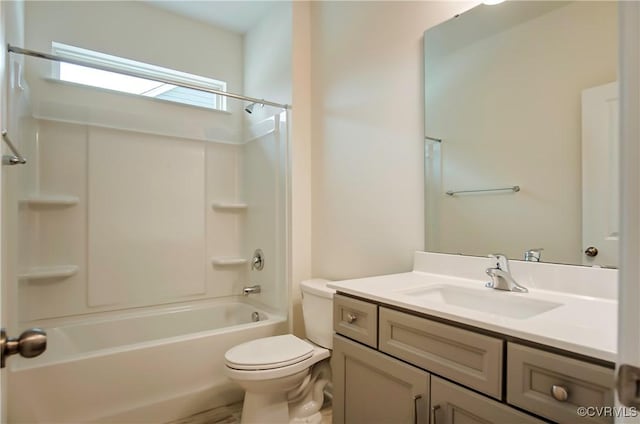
{"points": [[144, 366]]}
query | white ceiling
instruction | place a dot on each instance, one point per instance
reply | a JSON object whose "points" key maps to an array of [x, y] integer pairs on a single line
{"points": [[235, 15]]}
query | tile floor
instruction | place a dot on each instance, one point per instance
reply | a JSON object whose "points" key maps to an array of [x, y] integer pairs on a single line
{"points": [[230, 414]]}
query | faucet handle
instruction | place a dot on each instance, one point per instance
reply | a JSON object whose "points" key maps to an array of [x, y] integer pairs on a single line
{"points": [[533, 255], [257, 262], [501, 261]]}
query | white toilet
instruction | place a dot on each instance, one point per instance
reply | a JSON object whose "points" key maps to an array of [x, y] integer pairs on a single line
{"points": [[283, 376]]}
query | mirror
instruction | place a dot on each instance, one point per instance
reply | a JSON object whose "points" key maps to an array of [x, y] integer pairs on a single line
{"points": [[521, 132]]}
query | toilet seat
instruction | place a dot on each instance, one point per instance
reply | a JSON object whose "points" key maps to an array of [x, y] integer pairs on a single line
{"points": [[256, 372], [268, 353]]}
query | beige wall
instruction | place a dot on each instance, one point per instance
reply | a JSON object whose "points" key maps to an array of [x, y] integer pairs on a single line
{"points": [[367, 129], [300, 159], [267, 56], [508, 107], [140, 32]]}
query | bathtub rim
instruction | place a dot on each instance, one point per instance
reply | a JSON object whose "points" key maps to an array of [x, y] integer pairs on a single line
{"points": [[141, 311], [273, 318]]}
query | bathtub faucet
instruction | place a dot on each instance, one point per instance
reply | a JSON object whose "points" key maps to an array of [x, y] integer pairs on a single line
{"points": [[251, 290]]}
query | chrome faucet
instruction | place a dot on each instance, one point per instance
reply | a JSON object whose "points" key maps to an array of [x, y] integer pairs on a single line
{"points": [[251, 290], [533, 255], [501, 278]]}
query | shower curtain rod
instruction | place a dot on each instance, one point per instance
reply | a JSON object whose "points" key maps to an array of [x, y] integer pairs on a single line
{"points": [[27, 52]]}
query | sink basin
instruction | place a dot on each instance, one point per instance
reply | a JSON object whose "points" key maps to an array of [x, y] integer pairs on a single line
{"points": [[497, 302]]}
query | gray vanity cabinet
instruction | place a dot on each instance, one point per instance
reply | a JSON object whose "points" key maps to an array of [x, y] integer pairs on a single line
{"points": [[393, 367], [373, 388]]}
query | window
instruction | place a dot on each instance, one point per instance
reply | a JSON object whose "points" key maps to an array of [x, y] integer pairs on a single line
{"points": [[133, 85]]}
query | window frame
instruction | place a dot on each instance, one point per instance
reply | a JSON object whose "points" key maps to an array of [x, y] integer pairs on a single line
{"points": [[152, 71]]}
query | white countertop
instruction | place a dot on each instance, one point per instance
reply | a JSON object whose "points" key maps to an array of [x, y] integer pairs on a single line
{"points": [[582, 324]]}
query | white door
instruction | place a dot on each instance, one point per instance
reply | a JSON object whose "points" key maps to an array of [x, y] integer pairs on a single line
{"points": [[629, 293], [600, 171], [11, 31], [3, 108]]}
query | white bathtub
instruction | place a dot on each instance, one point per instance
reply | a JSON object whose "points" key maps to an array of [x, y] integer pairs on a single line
{"points": [[147, 366]]}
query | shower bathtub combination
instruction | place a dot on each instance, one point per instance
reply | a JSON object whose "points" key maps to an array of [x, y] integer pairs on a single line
{"points": [[131, 229]]}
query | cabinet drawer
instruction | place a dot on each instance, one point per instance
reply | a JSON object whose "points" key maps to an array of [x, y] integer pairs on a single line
{"points": [[356, 319], [532, 373], [471, 359], [453, 404]]}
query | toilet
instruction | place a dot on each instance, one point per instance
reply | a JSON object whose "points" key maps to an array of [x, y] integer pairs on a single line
{"points": [[284, 377]]}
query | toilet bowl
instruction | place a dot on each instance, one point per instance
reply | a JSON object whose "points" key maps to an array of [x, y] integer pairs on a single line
{"points": [[284, 377]]}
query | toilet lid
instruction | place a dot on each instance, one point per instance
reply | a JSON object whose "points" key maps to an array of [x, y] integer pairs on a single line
{"points": [[268, 353]]}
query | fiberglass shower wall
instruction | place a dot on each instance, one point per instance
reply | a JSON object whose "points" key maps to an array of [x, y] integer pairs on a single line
{"points": [[130, 201]]}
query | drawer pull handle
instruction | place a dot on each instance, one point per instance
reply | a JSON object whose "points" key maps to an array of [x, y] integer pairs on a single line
{"points": [[434, 410], [559, 393], [416, 398], [351, 318]]}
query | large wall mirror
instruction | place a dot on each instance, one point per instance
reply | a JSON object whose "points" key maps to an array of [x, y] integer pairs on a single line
{"points": [[521, 146]]}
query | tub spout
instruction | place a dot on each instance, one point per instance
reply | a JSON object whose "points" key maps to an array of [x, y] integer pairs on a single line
{"points": [[251, 290]]}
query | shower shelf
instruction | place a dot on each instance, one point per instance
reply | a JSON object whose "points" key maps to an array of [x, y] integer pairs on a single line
{"points": [[239, 206], [42, 272], [228, 261], [50, 200]]}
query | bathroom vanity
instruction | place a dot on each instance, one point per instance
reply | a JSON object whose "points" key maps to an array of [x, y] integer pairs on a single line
{"points": [[438, 347]]}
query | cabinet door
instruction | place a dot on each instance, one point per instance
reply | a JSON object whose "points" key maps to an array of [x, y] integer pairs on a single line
{"points": [[373, 388], [452, 404]]}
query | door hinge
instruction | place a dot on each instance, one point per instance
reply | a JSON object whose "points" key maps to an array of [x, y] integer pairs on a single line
{"points": [[628, 385]]}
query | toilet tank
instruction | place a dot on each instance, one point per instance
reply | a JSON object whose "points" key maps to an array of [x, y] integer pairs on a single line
{"points": [[317, 310]]}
